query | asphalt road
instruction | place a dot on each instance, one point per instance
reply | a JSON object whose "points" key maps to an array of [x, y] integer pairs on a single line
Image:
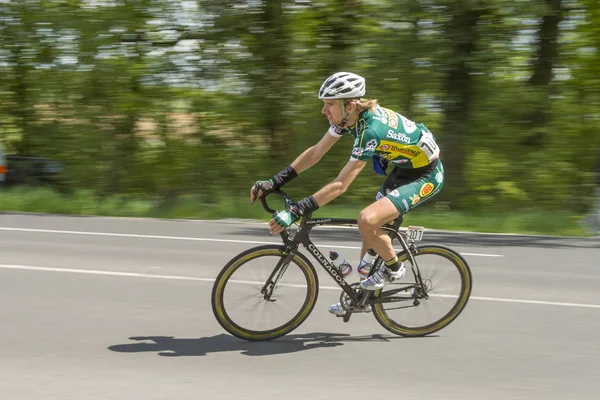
{"points": [[106, 308]]}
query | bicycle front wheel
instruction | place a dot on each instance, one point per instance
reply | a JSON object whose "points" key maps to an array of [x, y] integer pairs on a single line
{"points": [[248, 304], [407, 309]]}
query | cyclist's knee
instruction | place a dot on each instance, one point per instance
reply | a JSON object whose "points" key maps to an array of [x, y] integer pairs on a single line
{"points": [[367, 220]]}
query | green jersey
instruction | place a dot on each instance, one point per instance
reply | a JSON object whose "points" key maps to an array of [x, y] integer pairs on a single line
{"points": [[385, 134]]}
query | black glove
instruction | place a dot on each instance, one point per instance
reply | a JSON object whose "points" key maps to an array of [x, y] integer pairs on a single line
{"points": [[283, 177]]}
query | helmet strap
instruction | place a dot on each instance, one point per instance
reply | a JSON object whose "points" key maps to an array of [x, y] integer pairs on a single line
{"points": [[345, 115]]}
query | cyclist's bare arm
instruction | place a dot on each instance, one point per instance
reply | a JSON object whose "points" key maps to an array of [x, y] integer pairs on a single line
{"points": [[307, 159], [313, 154], [337, 187]]}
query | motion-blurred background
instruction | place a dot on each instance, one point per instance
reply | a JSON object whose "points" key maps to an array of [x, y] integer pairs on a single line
{"points": [[166, 100]]}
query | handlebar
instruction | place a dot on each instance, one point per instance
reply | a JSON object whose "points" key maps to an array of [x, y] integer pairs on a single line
{"points": [[263, 199]]}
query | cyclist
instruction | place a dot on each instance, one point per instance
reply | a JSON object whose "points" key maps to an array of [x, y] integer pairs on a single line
{"points": [[383, 136]]}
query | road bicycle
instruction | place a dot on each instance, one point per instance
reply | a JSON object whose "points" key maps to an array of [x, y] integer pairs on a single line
{"points": [[276, 275]]}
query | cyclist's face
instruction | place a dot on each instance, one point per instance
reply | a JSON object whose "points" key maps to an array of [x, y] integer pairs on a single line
{"points": [[332, 110]]}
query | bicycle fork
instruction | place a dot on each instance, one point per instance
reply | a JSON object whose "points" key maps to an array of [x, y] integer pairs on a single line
{"points": [[273, 280]]}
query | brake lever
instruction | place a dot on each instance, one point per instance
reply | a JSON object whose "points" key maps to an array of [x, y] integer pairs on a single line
{"points": [[255, 191]]}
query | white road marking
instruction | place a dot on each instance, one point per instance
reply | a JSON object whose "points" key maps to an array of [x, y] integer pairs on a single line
{"points": [[190, 278], [131, 235]]}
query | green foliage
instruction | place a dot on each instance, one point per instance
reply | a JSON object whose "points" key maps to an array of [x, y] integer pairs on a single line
{"points": [[197, 100]]}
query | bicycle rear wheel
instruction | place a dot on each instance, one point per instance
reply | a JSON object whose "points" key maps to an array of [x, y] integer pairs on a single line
{"points": [[238, 297], [405, 309]]}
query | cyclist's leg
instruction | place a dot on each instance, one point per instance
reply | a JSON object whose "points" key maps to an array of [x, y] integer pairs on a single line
{"points": [[393, 180], [370, 221], [401, 193], [390, 183], [402, 199]]}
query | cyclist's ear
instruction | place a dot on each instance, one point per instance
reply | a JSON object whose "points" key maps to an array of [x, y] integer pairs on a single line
{"points": [[350, 105]]}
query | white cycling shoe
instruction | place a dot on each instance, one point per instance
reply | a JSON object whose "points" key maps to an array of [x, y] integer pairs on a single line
{"points": [[382, 277], [375, 282], [338, 310]]}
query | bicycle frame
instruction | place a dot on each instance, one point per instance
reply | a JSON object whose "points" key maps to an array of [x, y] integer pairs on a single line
{"points": [[301, 237], [292, 242]]}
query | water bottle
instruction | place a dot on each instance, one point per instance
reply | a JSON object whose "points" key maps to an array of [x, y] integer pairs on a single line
{"points": [[344, 267], [367, 262]]}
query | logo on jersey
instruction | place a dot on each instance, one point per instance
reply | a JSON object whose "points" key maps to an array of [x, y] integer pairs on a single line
{"points": [[395, 148], [402, 161], [415, 199], [357, 151], [405, 204], [439, 177], [409, 125], [371, 145], [392, 118], [401, 137], [394, 193], [410, 152], [426, 189]]}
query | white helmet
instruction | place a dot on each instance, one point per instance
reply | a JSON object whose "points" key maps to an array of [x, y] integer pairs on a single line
{"points": [[342, 85]]}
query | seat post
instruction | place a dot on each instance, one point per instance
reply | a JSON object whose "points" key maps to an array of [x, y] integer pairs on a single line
{"points": [[398, 221]]}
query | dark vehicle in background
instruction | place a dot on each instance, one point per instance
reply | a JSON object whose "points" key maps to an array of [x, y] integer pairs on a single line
{"points": [[32, 171]]}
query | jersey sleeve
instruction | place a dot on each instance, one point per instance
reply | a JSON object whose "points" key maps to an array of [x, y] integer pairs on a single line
{"points": [[365, 145], [336, 131]]}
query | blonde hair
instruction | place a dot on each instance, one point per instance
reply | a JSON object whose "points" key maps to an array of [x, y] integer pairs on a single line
{"points": [[362, 104]]}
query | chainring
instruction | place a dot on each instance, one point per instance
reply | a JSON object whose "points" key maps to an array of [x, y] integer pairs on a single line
{"points": [[345, 299]]}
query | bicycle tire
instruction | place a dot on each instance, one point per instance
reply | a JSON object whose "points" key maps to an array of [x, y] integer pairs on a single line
{"points": [[466, 285], [234, 264]]}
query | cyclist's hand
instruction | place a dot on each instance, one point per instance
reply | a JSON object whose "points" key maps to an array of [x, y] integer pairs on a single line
{"points": [[282, 220], [258, 187]]}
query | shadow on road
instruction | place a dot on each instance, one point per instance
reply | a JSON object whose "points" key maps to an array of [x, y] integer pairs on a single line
{"points": [[169, 346]]}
